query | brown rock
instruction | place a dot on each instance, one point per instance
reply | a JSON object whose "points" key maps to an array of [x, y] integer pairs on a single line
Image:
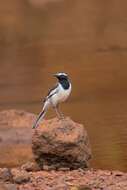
{"points": [[81, 188], [16, 118], [30, 166], [5, 174], [15, 137], [76, 180], [8, 186], [61, 143], [20, 176], [2, 186]]}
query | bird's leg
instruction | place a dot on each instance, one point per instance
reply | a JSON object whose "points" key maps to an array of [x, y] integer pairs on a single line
{"points": [[59, 114]]}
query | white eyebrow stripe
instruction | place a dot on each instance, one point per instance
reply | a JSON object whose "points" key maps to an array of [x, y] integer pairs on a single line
{"points": [[62, 74]]}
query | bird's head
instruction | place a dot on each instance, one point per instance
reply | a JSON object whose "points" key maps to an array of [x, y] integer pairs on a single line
{"points": [[61, 76]]}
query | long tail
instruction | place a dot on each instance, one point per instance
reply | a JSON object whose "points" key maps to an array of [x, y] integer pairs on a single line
{"points": [[39, 118]]}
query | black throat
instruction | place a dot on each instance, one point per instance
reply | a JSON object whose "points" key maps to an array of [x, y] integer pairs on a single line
{"points": [[65, 83]]}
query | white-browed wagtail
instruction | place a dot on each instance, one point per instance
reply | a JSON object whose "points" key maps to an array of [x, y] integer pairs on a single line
{"points": [[56, 95]]}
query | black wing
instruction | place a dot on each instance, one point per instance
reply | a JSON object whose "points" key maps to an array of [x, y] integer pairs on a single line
{"points": [[51, 92]]}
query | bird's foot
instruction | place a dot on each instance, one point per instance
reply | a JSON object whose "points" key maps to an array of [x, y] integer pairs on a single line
{"points": [[61, 117]]}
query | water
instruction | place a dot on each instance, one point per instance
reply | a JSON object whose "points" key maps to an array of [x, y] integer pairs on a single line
{"points": [[86, 39]]}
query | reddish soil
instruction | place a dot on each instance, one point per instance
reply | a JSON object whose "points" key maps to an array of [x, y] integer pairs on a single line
{"points": [[76, 180]]}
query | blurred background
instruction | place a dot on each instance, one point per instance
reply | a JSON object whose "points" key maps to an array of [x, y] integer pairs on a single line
{"points": [[88, 40]]}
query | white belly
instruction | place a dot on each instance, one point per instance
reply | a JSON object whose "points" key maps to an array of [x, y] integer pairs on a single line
{"points": [[61, 96]]}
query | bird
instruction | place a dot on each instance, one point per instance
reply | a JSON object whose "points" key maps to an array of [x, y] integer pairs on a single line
{"points": [[56, 95]]}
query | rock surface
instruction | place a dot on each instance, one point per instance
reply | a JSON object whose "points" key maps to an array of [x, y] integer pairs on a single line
{"points": [[15, 125], [8, 186], [60, 144], [15, 137], [30, 166], [16, 118], [65, 180], [5, 174], [76, 180], [20, 176]]}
